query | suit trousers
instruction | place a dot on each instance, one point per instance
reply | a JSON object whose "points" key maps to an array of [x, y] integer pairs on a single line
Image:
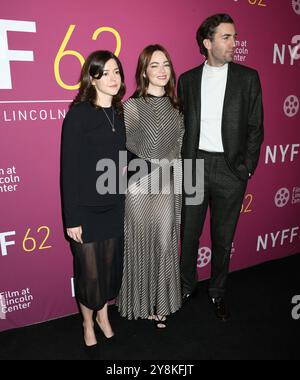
{"points": [[223, 193]]}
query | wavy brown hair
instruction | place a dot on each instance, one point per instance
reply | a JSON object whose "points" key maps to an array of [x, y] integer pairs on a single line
{"points": [[94, 68], [143, 82]]}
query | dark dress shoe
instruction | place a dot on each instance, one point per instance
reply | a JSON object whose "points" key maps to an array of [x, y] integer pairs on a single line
{"points": [[187, 296], [220, 309]]}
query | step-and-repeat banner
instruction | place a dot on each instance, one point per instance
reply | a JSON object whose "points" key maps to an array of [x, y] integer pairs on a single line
{"points": [[42, 48]]}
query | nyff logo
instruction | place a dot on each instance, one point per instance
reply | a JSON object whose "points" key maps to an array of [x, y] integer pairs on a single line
{"points": [[278, 238], [4, 242], [281, 153], [7, 55], [287, 52]]}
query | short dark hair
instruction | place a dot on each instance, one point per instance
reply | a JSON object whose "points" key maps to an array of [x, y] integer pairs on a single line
{"points": [[208, 28]]}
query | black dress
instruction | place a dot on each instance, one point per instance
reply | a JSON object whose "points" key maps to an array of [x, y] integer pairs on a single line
{"points": [[88, 138]]}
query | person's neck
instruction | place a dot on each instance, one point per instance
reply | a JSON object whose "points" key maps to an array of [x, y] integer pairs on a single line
{"points": [[104, 101], [214, 63], [156, 91]]}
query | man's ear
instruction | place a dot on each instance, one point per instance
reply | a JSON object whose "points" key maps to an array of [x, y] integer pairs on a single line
{"points": [[207, 43]]}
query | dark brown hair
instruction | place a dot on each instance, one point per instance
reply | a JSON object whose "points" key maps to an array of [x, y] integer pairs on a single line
{"points": [[143, 82], [208, 29], [94, 68]]}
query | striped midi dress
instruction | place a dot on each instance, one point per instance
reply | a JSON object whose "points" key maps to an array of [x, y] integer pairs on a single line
{"points": [[151, 277]]}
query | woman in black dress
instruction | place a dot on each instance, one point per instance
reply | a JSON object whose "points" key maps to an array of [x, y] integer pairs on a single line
{"points": [[93, 130]]}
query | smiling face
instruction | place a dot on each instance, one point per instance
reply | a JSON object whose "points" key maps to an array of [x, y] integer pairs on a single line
{"points": [[221, 49], [109, 84], [158, 71]]}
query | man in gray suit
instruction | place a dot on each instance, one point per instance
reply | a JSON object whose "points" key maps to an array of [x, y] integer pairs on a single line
{"points": [[224, 126]]}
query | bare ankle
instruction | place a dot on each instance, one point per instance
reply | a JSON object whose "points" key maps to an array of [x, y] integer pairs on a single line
{"points": [[88, 325]]}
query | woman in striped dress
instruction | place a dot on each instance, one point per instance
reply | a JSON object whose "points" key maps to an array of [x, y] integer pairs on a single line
{"points": [[154, 128]]}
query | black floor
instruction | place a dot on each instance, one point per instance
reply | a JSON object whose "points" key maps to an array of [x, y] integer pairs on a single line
{"points": [[261, 327]]}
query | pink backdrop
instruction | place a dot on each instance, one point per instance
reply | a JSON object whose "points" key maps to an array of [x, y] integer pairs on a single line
{"points": [[35, 261]]}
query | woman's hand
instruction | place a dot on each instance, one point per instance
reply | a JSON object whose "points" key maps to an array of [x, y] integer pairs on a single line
{"points": [[75, 234]]}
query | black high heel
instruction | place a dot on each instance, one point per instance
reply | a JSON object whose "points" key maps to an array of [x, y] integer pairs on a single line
{"points": [[92, 352], [108, 339], [84, 342]]}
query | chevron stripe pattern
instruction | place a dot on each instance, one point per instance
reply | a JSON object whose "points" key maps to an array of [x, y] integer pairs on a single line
{"points": [[151, 278]]}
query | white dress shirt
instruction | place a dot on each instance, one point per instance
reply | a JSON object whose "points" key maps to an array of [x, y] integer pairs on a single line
{"points": [[213, 88]]}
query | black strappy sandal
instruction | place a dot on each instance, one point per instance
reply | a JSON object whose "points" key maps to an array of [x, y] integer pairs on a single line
{"points": [[160, 322]]}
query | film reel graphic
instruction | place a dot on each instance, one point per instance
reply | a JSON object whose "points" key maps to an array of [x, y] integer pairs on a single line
{"points": [[296, 6], [204, 257], [282, 197], [291, 105]]}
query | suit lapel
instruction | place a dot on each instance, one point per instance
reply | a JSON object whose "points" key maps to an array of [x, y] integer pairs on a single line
{"points": [[231, 89], [196, 89]]}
